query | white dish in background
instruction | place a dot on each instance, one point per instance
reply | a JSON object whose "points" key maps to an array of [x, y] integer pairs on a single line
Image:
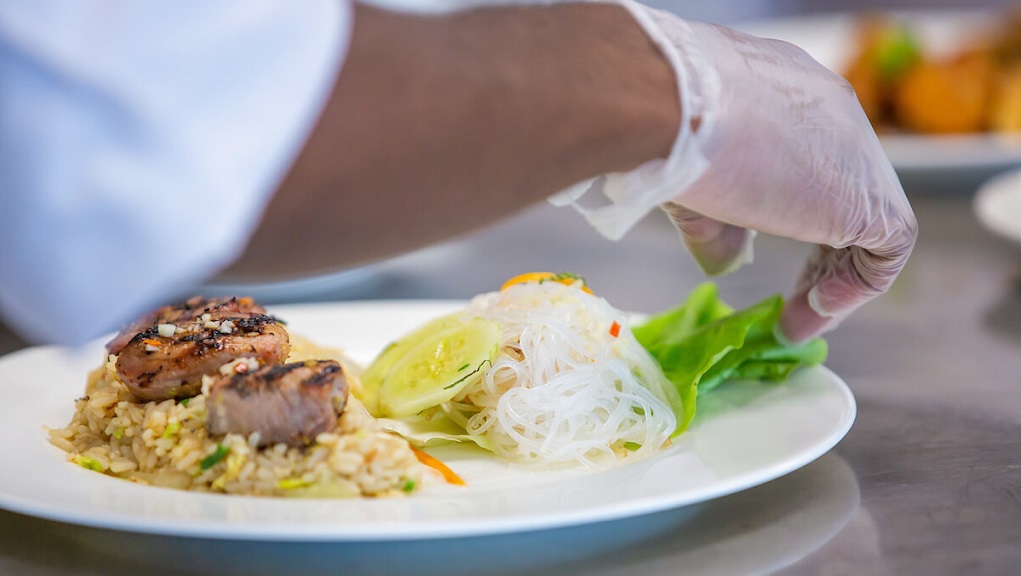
{"points": [[745, 435], [998, 205], [829, 38]]}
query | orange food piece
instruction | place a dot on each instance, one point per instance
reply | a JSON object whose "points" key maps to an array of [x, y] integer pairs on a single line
{"points": [[947, 96], [431, 461], [867, 86], [886, 50], [1005, 108]]}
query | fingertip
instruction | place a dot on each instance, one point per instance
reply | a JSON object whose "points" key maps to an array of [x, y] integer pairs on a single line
{"points": [[800, 322]]}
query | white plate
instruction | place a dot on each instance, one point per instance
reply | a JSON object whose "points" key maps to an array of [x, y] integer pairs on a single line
{"points": [[998, 205], [745, 435], [829, 38]]}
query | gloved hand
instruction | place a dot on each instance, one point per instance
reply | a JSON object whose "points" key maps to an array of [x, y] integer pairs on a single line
{"points": [[772, 141]]}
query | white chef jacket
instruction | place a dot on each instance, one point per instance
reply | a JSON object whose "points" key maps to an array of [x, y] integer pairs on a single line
{"points": [[139, 143]]}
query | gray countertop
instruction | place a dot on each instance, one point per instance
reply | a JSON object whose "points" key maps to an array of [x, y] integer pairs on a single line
{"points": [[928, 481]]}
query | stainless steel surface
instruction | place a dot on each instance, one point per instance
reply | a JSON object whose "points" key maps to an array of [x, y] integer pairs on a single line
{"points": [[927, 482]]}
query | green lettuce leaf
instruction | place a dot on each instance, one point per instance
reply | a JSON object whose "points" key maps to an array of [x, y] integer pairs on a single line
{"points": [[704, 342]]}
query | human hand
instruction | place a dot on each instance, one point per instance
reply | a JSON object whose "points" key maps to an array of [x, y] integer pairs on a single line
{"points": [[790, 152], [772, 141]]}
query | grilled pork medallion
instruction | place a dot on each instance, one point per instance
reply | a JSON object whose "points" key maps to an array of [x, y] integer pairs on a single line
{"points": [[168, 360], [217, 308], [290, 403]]}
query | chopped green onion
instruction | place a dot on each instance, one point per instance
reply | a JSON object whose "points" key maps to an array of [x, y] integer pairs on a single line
{"points": [[88, 462], [409, 486], [184, 402], [219, 454], [293, 483], [171, 429]]}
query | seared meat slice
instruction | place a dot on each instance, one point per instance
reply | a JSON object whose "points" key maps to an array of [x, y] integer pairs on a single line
{"points": [[169, 362], [291, 403], [217, 308]]}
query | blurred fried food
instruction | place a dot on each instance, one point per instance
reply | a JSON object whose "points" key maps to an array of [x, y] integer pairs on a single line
{"points": [[945, 96], [1005, 114], [975, 89]]}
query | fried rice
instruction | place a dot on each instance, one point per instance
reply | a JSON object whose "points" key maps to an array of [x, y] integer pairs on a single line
{"points": [[165, 443]]}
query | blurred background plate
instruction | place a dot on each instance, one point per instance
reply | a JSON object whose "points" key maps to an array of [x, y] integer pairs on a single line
{"points": [[998, 205], [924, 162]]}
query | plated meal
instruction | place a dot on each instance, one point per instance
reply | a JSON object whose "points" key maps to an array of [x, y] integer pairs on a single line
{"points": [[219, 396]]}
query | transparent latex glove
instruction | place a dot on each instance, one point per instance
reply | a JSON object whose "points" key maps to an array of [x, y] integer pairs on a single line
{"points": [[770, 141]]}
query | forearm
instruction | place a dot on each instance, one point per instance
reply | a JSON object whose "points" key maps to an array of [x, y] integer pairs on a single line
{"points": [[441, 124]]}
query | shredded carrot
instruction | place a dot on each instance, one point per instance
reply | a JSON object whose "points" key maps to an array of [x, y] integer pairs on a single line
{"points": [[614, 329], [151, 342], [440, 467]]}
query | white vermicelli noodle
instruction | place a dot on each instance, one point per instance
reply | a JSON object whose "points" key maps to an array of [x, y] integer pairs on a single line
{"points": [[563, 389]]}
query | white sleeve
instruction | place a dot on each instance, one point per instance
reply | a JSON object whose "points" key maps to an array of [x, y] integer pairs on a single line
{"points": [[139, 143]]}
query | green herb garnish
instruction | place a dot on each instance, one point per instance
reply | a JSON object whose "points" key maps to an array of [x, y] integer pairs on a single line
{"points": [[219, 454], [895, 51], [293, 483], [171, 429], [561, 276], [88, 462]]}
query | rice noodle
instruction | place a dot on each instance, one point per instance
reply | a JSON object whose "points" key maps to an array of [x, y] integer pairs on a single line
{"points": [[563, 389]]}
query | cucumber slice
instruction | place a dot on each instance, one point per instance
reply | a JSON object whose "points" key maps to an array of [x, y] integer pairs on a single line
{"points": [[372, 378], [438, 367]]}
